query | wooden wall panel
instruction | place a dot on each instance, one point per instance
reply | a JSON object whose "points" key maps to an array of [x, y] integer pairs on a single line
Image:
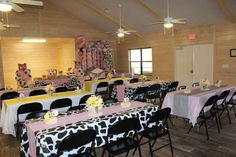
{"points": [[222, 35], [47, 22]]}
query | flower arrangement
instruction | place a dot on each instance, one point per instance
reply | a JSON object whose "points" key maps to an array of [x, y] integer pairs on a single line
{"points": [[94, 103], [109, 75], [51, 117], [50, 89], [204, 83], [143, 78], [218, 83]]}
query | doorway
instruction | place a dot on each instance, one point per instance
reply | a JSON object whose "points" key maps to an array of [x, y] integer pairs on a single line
{"points": [[193, 63]]}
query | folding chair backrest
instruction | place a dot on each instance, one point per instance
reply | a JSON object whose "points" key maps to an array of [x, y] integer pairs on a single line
{"points": [[61, 103], [118, 82], [124, 126], [37, 92], [9, 95], [84, 99], [76, 140], [160, 117], [36, 114]]}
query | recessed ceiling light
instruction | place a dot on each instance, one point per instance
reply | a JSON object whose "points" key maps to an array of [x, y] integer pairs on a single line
{"points": [[34, 41]]}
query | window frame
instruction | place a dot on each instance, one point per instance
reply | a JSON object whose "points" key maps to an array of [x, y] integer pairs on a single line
{"points": [[141, 60]]}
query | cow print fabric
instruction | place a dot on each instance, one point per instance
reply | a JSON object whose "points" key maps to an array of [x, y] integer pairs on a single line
{"points": [[47, 140]]}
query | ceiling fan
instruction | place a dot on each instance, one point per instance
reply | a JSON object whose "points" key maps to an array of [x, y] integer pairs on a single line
{"points": [[8, 5], [4, 23], [168, 21], [121, 32]]}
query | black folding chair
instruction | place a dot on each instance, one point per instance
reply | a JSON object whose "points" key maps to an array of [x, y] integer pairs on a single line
{"points": [[119, 82], [109, 98], [76, 141], [155, 128], [153, 93], [61, 103], [133, 80], [173, 86], [23, 109], [182, 87], [61, 89], [36, 114], [221, 106], [140, 94], [232, 103], [9, 95], [195, 84], [84, 99], [126, 130], [208, 111], [37, 92], [102, 89]]}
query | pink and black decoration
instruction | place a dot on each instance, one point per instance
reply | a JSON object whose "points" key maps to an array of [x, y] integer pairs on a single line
{"points": [[23, 76], [93, 55]]}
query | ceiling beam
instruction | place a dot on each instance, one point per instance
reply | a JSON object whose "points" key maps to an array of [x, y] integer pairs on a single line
{"points": [[107, 16], [227, 10], [146, 6]]}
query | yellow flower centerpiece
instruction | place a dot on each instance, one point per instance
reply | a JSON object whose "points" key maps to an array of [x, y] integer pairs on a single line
{"points": [[94, 104], [143, 78], [51, 117], [204, 84]]}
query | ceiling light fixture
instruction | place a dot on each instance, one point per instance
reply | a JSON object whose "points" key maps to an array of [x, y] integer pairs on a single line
{"points": [[120, 34], [168, 25], [34, 41], [5, 7]]}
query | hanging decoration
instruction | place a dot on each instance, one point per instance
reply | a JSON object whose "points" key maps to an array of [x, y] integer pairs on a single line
{"points": [[93, 55]]}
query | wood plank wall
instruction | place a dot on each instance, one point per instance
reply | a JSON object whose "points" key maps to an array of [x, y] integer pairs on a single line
{"points": [[47, 22], [222, 35]]}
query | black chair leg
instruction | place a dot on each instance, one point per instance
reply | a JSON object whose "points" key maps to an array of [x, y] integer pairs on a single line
{"points": [[171, 148], [190, 129], [103, 152], [219, 119], [228, 115], [217, 124], [206, 129], [150, 147], [234, 111]]}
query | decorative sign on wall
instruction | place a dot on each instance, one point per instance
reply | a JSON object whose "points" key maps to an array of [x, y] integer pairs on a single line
{"points": [[93, 55], [232, 52]]}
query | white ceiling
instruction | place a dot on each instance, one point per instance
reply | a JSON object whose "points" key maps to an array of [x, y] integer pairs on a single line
{"points": [[136, 16]]}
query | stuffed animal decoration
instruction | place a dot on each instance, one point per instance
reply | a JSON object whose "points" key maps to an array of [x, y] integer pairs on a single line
{"points": [[23, 76], [52, 73]]}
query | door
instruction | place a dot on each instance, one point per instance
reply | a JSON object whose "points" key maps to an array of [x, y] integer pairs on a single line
{"points": [[203, 62], [193, 63], [184, 65]]}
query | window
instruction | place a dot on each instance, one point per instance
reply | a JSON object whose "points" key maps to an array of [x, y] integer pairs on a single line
{"points": [[141, 61]]}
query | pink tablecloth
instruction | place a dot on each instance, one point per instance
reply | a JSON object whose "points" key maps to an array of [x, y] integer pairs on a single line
{"points": [[194, 103], [40, 125]]}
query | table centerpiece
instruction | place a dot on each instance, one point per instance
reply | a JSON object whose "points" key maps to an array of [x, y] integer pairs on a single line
{"points": [[94, 104]]}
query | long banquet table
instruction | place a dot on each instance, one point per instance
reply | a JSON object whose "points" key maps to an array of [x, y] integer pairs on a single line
{"points": [[40, 139], [9, 107], [128, 90], [189, 105]]}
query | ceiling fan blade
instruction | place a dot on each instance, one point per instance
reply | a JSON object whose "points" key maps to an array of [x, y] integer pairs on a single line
{"points": [[180, 19], [10, 26], [179, 22], [130, 31], [16, 7], [155, 23], [28, 2]]}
